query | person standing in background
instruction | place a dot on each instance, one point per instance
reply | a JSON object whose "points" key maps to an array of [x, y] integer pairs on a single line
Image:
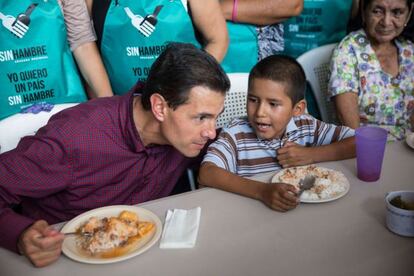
{"points": [[132, 34], [255, 30], [36, 59], [321, 22]]}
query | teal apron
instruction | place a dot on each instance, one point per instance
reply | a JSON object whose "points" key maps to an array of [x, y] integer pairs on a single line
{"points": [[36, 64], [136, 32], [243, 51], [321, 22]]}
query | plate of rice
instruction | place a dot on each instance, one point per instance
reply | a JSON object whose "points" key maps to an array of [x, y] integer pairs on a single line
{"points": [[329, 184]]}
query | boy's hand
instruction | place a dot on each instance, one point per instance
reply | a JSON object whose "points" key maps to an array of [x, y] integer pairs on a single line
{"points": [[292, 154], [280, 196], [41, 244]]}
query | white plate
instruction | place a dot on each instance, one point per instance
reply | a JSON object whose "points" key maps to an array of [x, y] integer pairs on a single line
{"points": [[345, 183], [71, 250], [410, 140]]}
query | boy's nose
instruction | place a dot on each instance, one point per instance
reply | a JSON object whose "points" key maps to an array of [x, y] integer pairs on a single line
{"points": [[260, 111]]}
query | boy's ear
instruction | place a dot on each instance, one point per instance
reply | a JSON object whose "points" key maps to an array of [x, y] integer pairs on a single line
{"points": [[299, 108], [158, 106]]}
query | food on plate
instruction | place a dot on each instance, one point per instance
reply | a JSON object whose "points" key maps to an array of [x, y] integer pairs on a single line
{"points": [[113, 236], [328, 184]]}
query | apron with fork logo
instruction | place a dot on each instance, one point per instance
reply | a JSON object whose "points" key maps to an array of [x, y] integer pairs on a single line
{"points": [[36, 64], [321, 22], [136, 32]]}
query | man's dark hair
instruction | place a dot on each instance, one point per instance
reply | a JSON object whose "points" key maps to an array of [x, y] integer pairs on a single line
{"points": [[357, 23], [282, 69], [180, 68]]}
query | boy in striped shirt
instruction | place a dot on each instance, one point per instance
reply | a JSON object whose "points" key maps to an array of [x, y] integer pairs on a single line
{"points": [[275, 135]]}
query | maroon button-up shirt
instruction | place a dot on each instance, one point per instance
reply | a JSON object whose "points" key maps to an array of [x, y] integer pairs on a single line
{"points": [[86, 157]]}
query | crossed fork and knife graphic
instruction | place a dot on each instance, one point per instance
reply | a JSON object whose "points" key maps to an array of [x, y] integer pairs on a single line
{"points": [[145, 25], [20, 25]]}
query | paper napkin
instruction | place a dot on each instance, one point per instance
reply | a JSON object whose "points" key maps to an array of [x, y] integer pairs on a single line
{"points": [[180, 228]]}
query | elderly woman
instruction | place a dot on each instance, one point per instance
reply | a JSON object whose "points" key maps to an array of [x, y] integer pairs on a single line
{"points": [[372, 69]]}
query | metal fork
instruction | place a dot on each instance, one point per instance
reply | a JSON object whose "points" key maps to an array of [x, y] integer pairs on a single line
{"points": [[149, 22], [25, 17], [306, 183], [145, 26], [76, 233], [13, 25]]}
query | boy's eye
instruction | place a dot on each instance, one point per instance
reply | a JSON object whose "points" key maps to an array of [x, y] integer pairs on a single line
{"points": [[273, 104]]}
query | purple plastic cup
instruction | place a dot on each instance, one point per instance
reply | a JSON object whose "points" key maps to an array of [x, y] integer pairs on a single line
{"points": [[370, 146]]}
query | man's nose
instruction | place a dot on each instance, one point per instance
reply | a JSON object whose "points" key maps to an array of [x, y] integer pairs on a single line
{"points": [[210, 131]]}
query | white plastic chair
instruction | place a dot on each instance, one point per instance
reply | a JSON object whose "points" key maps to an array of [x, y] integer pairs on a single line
{"points": [[13, 128], [235, 103], [315, 63]]}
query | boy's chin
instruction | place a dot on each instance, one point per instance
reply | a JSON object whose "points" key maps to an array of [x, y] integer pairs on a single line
{"points": [[267, 136]]}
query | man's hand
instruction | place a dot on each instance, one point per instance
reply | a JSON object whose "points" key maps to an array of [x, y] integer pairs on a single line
{"points": [[41, 244], [292, 154], [280, 196]]}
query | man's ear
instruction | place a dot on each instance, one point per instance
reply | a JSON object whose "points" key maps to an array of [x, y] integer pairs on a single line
{"points": [[158, 106], [299, 108]]}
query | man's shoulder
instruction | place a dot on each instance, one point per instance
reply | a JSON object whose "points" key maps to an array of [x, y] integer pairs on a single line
{"points": [[87, 116]]}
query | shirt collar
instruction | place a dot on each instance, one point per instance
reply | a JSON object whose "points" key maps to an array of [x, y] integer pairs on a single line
{"points": [[291, 126]]}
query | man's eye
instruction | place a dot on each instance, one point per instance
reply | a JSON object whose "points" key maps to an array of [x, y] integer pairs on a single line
{"points": [[252, 100]]}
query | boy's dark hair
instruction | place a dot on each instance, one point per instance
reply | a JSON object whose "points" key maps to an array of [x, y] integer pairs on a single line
{"points": [[180, 68], [282, 69]]}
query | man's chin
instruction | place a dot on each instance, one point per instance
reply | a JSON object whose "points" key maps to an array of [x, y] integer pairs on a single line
{"points": [[191, 154]]}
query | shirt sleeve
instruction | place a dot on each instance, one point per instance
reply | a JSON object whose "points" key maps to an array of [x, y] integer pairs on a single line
{"points": [[326, 134], [223, 152], [36, 168], [78, 23], [344, 70]]}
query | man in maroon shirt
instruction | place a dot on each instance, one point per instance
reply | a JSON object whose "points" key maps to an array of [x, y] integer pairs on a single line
{"points": [[120, 150]]}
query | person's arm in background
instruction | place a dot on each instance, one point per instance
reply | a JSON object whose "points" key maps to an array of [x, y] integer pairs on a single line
{"points": [[347, 110], [262, 12], [92, 69], [81, 38], [344, 83], [210, 22]]}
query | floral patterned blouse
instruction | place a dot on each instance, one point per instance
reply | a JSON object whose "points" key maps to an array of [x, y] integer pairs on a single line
{"points": [[384, 100]]}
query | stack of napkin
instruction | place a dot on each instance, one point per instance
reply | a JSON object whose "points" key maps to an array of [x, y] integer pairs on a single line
{"points": [[180, 228]]}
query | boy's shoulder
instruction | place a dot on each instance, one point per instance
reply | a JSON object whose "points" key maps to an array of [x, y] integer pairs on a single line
{"points": [[238, 125], [239, 128], [304, 120]]}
